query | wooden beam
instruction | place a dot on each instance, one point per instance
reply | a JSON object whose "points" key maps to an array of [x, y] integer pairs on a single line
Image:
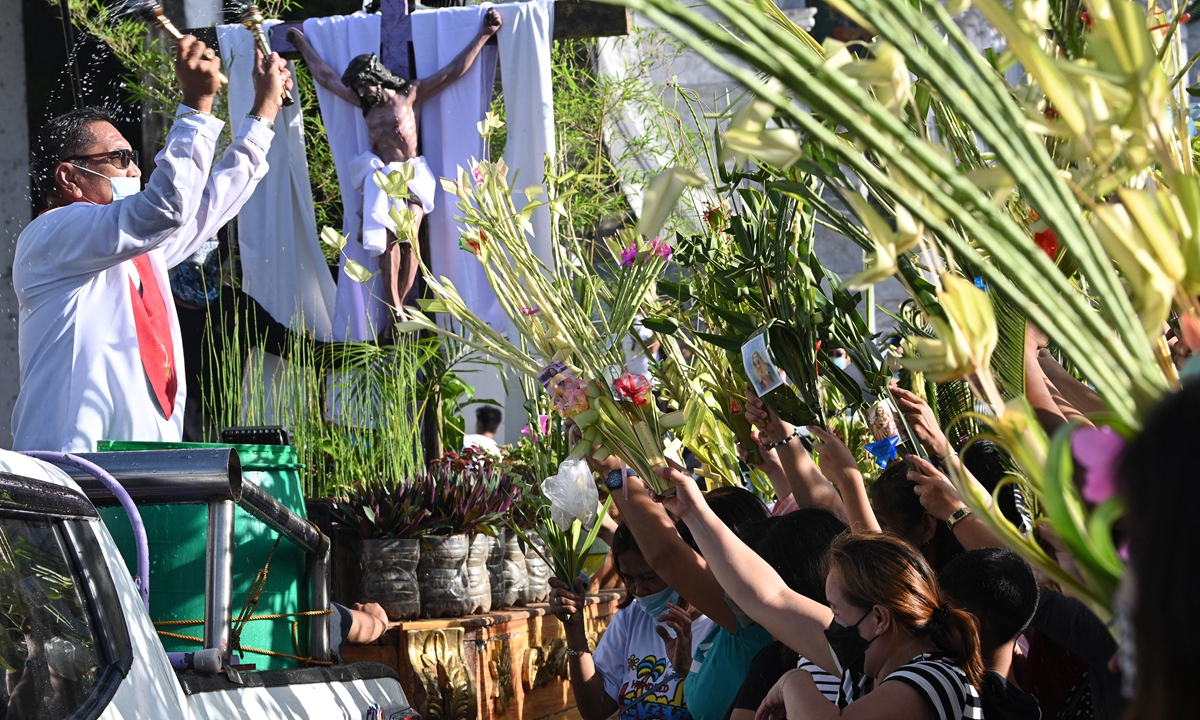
{"points": [[572, 19]]}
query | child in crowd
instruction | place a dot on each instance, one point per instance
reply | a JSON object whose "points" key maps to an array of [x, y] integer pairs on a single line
{"points": [[999, 590], [638, 667]]}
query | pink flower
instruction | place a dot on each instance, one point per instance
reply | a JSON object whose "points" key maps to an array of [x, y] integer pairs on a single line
{"points": [[1097, 450], [544, 424], [634, 388], [530, 311], [660, 248], [569, 394], [478, 174], [628, 255]]}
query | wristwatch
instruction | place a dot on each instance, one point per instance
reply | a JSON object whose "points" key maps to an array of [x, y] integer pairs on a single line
{"points": [[614, 479], [957, 516]]}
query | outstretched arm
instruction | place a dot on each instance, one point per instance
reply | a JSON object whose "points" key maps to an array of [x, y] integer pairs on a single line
{"points": [[754, 585], [665, 551], [437, 82], [809, 486], [324, 75]]}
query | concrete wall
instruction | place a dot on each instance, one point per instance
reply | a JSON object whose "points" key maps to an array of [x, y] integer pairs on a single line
{"points": [[14, 198]]}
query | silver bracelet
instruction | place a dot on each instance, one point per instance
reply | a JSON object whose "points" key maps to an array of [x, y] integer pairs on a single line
{"points": [[269, 123], [191, 113], [576, 653]]}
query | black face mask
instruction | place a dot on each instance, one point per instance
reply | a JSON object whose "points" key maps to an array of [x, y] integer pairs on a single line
{"points": [[849, 647]]}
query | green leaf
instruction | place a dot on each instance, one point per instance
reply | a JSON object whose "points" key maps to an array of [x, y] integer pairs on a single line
{"points": [[664, 325], [357, 272]]}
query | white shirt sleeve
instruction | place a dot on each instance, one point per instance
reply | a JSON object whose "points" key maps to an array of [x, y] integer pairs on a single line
{"points": [[97, 237], [231, 184]]}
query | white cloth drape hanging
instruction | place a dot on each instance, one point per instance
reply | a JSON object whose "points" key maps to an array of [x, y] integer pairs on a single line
{"points": [[524, 40], [282, 264], [339, 39], [450, 139]]}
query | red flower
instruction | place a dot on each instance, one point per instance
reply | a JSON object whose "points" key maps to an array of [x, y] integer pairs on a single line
{"points": [[1087, 20], [1047, 241], [1051, 113], [634, 388]]}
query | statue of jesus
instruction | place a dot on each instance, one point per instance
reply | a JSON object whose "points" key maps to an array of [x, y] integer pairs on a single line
{"points": [[389, 104]]}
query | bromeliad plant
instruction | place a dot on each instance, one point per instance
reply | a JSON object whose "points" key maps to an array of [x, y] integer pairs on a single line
{"points": [[1086, 159], [468, 493], [386, 510]]}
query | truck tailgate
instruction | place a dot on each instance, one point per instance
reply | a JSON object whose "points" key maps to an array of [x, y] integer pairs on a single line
{"points": [[330, 693]]}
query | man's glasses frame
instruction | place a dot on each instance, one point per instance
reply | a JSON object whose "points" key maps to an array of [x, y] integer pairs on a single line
{"points": [[119, 159]]}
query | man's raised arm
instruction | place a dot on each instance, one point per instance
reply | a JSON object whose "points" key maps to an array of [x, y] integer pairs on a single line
{"points": [[324, 75], [437, 82]]}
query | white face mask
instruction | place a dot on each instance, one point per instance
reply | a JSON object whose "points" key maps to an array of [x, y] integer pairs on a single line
{"points": [[122, 187]]}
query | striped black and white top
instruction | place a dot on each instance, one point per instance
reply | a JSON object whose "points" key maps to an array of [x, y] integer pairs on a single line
{"points": [[935, 677], [943, 685]]}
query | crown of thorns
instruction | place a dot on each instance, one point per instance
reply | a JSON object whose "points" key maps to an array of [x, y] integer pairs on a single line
{"points": [[368, 68]]}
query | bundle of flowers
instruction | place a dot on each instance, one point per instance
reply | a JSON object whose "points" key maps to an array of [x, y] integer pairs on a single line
{"points": [[569, 522], [571, 321]]}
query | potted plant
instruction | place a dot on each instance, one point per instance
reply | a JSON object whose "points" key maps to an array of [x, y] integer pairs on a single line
{"points": [[391, 518], [468, 498]]}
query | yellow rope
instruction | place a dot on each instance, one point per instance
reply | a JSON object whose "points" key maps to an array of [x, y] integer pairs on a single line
{"points": [[274, 616], [247, 648]]}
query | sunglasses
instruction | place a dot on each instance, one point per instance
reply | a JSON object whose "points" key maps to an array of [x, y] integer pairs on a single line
{"points": [[119, 159]]}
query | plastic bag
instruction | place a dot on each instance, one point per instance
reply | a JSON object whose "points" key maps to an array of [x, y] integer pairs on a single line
{"points": [[572, 493]]}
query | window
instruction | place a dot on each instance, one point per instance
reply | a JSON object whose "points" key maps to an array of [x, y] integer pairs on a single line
{"points": [[48, 651]]}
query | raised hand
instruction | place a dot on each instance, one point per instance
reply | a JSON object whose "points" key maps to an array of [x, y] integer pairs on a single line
{"points": [[199, 76], [491, 22], [920, 418], [271, 79], [687, 495], [679, 648], [771, 427], [564, 603], [938, 495]]}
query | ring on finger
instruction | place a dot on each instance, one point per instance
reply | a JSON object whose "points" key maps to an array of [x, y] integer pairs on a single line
{"points": [[208, 54]]}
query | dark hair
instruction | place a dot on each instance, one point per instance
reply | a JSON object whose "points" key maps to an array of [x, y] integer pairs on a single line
{"points": [[875, 569], [893, 493], [985, 460], [737, 507], [623, 542], [997, 587], [487, 418], [1157, 476], [67, 135], [796, 544]]}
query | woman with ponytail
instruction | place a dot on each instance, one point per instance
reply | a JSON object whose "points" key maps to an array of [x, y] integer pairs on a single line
{"points": [[889, 635]]}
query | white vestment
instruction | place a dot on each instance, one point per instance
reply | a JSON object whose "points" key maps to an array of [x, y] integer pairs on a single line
{"points": [[81, 373]]}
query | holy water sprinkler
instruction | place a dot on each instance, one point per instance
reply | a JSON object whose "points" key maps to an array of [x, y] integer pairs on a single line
{"points": [[151, 13], [252, 20]]}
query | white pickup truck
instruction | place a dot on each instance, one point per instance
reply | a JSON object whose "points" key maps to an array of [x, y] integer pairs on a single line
{"points": [[76, 640]]}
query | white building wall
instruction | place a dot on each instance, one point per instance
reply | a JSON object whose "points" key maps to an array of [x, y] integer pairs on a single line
{"points": [[14, 198]]}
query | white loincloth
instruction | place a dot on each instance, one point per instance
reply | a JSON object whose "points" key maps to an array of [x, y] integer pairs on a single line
{"points": [[376, 203]]}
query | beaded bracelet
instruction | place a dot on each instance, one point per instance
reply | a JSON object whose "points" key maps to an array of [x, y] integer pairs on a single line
{"points": [[785, 441]]}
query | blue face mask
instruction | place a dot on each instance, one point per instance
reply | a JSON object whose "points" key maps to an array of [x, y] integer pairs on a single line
{"points": [[656, 605], [122, 187], [843, 362]]}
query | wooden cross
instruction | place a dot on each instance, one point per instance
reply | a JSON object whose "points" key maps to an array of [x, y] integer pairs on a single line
{"points": [[572, 19]]}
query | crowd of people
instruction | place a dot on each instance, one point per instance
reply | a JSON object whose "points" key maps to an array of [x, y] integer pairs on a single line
{"points": [[887, 600]]}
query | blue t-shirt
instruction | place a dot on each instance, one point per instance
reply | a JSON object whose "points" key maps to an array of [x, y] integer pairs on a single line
{"points": [[719, 665]]}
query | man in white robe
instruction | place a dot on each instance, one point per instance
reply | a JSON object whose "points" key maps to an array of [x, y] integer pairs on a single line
{"points": [[84, 303]]}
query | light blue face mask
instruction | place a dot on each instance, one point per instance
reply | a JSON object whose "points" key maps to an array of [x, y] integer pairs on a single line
{"points": [[843, 362], [122, 187], [656, 605]]}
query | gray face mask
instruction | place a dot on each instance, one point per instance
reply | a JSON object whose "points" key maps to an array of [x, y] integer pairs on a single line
{"points": [[122, 187]]}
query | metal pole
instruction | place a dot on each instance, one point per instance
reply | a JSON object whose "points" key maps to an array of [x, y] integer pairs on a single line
{"points": [[218, 574], [319, 593]]}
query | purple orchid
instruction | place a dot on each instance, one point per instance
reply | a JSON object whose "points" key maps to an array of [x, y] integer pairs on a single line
{"points": [[628, 255], [1097, 450]]}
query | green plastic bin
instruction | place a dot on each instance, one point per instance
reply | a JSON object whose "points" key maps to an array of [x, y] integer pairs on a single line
{"points": [[177, 538]]}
